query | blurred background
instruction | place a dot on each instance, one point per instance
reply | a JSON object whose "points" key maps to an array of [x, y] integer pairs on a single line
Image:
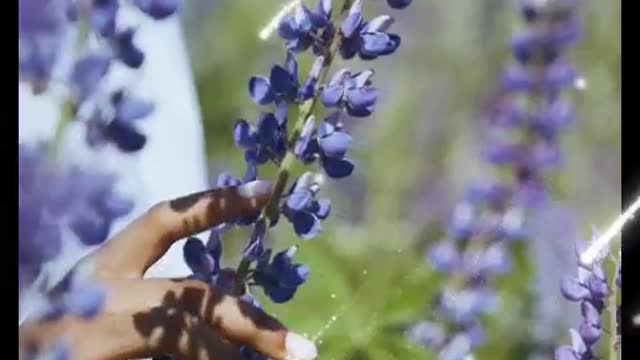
{"points": [[414, 156]]}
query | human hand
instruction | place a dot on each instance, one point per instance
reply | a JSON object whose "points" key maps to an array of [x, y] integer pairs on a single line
{"points": [[187, 319]]}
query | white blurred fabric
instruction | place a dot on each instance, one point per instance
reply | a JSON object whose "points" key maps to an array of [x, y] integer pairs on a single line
{"points": [[171, 164]]}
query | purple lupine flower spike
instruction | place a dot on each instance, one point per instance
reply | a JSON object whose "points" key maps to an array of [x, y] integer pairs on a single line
{"points": [[493, 215], [325, 143]]}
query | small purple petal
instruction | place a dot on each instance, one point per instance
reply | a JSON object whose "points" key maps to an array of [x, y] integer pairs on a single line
{"points": [[351, 24], [444, 256], [299, 200], [572, 289], [306, 225], [158, 9], [399, 4], [260, 90], [565, 353], [336, 144], [244, 136], [321, 208], [337, 167]]}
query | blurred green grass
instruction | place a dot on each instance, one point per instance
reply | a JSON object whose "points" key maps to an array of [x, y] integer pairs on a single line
{"points": [[423, 139]]}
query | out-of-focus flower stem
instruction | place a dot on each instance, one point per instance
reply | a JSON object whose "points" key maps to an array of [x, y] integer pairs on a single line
{"points": [[65, 118], [612, 307]]}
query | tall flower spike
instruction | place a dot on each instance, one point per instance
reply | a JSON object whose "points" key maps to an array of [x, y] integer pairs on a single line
{"points": [[326, 30], [493, 215]]}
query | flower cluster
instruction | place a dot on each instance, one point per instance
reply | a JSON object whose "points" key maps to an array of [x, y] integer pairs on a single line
{"points": [[50, 31], [55, 199], [532, 112], [327, 31], [67, 48], [590, 290]]}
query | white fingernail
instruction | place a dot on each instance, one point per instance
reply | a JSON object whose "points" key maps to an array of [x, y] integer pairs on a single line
{"points": [[255, 188], [300, 348]]}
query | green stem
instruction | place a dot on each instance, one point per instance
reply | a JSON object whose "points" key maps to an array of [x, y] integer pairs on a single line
{"points": [[612, 308], [66, 117]]}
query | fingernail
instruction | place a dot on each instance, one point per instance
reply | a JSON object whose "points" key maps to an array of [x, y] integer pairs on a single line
{"points": [[300, 348], [255, 188]]}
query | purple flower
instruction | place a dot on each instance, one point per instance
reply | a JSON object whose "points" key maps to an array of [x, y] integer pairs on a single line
{"points": [[329, 144], [199, 260], [491, 216], [444, 257], [279, 277], [267, 141], [369, 40], [399, 4], [303, 210], [590, 290], [42, 27], [352, 92], [125, 50], [121, 129], [281, 86], [51, 198], [577, 351], [86, 76], [302, 30], [103, 16], [158, 9]]}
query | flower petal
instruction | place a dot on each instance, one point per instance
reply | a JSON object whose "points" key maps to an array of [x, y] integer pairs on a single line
{"points": [[331, 95], [378, 24], [281, 295], [351, 25], [377, 43], [283, 82], [260, 90], [126, 137], [565, 353], [158, 9], [306, 225], [337, 167], [197, 258], [287, 29], [321, 208], [399, 4], [299, 199], [361, 97], [126, 50], [572, 289], [336, 144], [444, 256], [244, 136], [128, 109]]}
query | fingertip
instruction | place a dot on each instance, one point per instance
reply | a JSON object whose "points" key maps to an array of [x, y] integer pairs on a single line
{"points": [[257, 188], [300, 348], [255, 195]]}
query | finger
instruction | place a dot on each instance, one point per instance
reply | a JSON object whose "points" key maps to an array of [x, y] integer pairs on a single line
{"points": [[131, 252], [237, 321], [120, 337]]}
